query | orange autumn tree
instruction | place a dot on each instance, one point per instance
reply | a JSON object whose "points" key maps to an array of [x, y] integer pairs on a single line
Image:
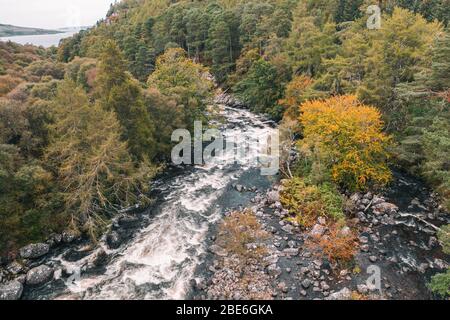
{"points": [[295, 94], [349, 139]]}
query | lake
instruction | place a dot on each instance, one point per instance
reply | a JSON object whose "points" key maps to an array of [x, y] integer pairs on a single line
{"points": [[45, 40]]}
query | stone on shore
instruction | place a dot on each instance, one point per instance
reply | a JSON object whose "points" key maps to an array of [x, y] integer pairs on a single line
{"points": [[11, 291], [34, 251], [39, 275]]}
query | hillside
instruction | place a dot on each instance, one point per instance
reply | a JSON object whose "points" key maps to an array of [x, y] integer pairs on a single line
{"points": [[10, 31]]}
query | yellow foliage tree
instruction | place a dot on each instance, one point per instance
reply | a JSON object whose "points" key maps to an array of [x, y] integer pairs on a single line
{"points": [[350, 136]]}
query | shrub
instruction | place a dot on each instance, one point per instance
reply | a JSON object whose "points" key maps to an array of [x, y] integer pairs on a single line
{"points": [[440, 284], [240, 229], [348, 137], [339, 244], [444, 237], [306, 202], [46, 68], [7, 83]]}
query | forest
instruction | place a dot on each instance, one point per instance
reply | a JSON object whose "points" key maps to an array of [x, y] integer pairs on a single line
{"points": [[85, 126]]}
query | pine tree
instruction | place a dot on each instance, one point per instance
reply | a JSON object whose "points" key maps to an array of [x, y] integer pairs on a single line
{"points": [[93, 166], [118, 92]]}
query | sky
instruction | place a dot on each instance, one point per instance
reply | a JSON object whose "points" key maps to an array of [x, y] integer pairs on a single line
{"points": [[52, 14]]}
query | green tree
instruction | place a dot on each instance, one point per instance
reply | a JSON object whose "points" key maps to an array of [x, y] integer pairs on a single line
{"points": [[185, 82], [118, 92], [400, 48], [222, 44], [92, 165], [261, 78]]}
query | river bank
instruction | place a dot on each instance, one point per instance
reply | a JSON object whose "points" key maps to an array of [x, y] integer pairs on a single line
{"points": [[169, 250], [394, 236], [148, 254]]}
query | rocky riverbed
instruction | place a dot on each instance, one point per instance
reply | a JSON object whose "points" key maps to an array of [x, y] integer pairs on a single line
{"points": [[396, 236]]}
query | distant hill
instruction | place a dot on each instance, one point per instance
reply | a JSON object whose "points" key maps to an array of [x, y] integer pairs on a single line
{"points": [[9, 31]]}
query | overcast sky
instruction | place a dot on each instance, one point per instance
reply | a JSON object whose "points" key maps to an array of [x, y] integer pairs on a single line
{"points": [[51, 14]]}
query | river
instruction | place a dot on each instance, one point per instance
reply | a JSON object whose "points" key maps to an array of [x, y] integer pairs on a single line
{"points": [[44, 40], [161, 254], [165, 247]]}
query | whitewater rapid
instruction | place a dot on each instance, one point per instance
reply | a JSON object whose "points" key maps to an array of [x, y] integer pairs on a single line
{"points": [[160, 259]]}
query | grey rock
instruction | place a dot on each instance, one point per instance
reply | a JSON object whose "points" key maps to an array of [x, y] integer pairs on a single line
{"points": [[344, 294], [384, 208], [306, 283], [345, 231], [356, 197], [363, 239], [283, 287], [274, 271], [423, 267], [324, 286], [219, 251], [34, 251], [362, 288], [317, 231], [288, 228], [291, 251], [39, 275], [15, 268], [22, 278], [365, 248], [373, 259], [361, 216], [273, 197], [98, 258], [11, 290], [69, 236], [113, 240]]}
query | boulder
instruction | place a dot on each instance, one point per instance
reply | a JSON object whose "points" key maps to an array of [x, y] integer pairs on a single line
{"points": [[273, 197], [39, 275], [11, 291], [274, 271], [97, 259], [306, 283], [113, 240], [69, 236], [127, 221], [317, 231], [15, 268], [356, 197], [384, 208], [219, 251], [34, 251]]}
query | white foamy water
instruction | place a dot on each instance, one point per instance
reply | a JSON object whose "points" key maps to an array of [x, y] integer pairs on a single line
{"points": [[161, 258]]}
